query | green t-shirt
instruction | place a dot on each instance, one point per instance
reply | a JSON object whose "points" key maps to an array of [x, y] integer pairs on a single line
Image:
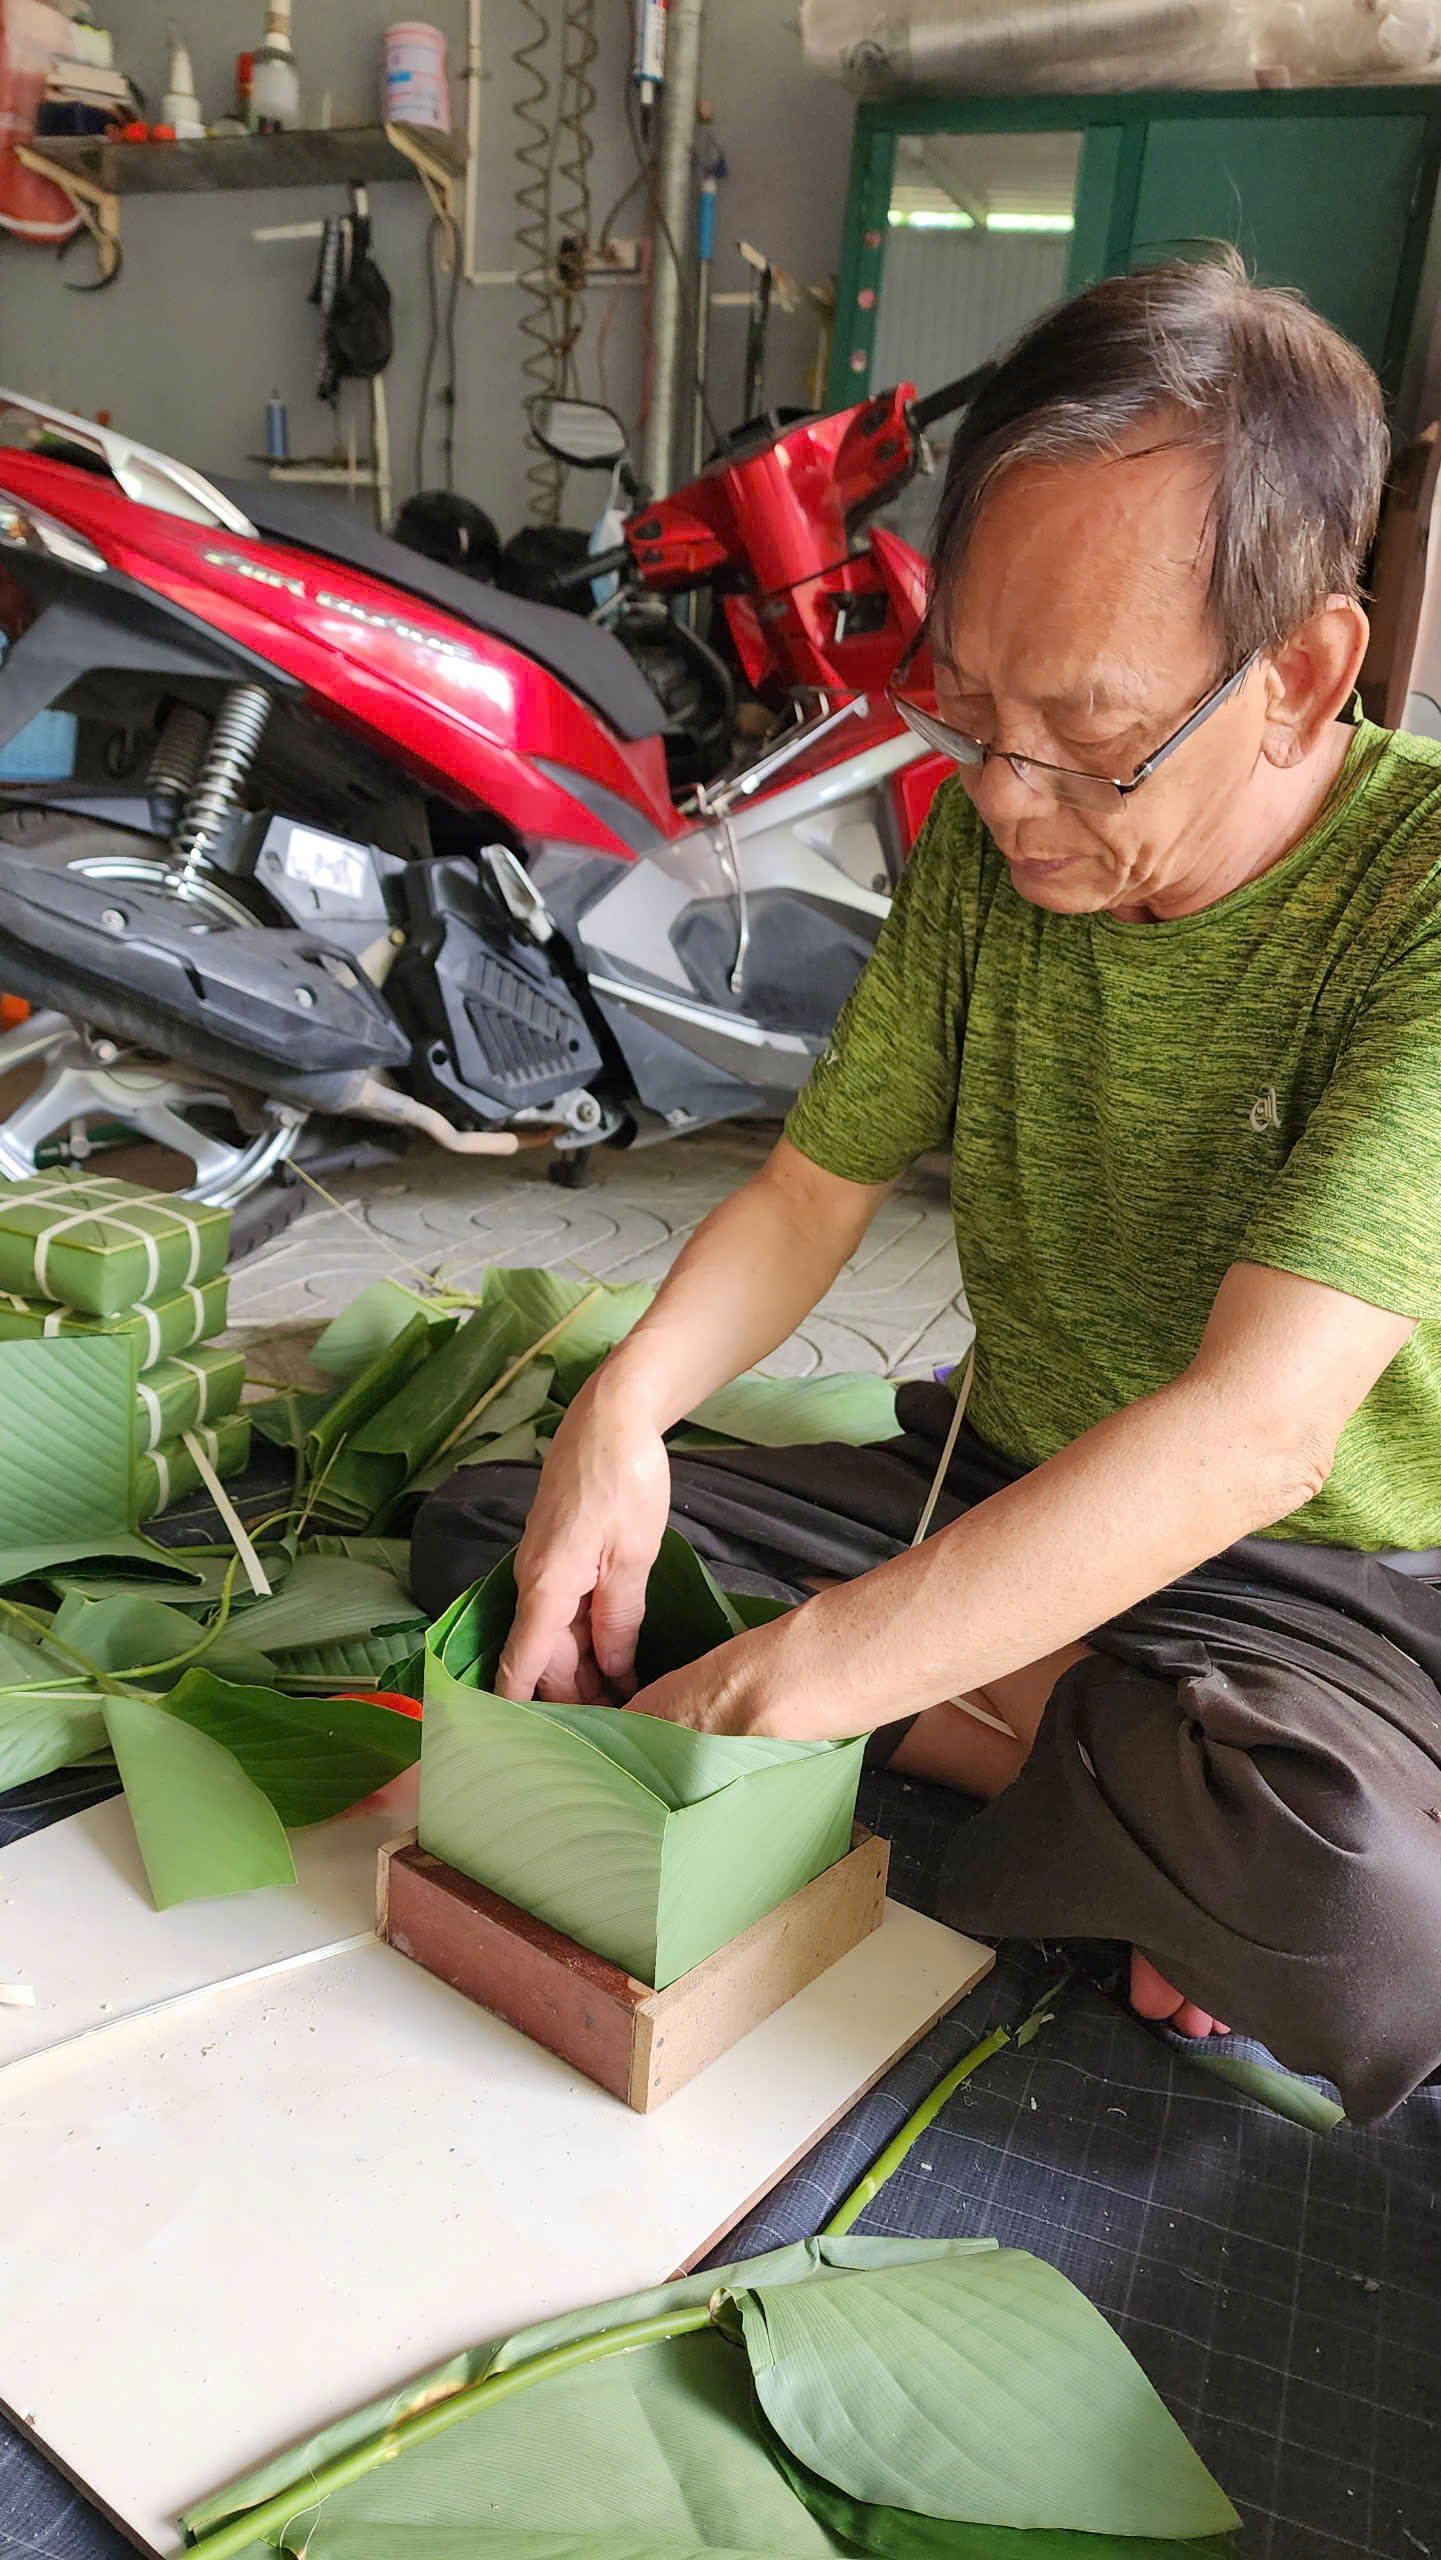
{"points": [[1131, 1108]]}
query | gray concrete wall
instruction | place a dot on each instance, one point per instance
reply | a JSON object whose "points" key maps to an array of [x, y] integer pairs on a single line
{"points": [[203, 321]]}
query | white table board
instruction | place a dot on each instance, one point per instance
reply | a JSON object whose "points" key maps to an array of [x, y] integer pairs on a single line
{"points": [[231, 2219]]}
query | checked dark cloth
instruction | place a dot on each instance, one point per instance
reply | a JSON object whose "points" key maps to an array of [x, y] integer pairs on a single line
{"points": [[1281, 2288]]}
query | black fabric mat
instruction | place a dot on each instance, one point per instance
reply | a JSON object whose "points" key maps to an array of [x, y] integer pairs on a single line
{"points": [[1282, 2289]]}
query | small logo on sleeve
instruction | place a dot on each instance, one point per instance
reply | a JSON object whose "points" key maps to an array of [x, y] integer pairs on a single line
{"points": [[1263, 1113]]}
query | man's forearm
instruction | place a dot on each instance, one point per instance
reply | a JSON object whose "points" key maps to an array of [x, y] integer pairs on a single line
{"points": [[751, 1272], [1144, 1497]]}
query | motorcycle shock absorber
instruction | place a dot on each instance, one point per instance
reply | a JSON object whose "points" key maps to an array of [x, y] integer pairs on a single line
{"points": [[230, 752], [175, 761]]}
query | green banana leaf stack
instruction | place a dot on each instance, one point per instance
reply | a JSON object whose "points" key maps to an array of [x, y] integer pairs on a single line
{"points": [[423, 1387], [647, 1842], [210, 1700], [927, 2399]]}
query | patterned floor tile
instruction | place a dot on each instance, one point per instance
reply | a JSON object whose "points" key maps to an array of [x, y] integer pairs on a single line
{"points": [[897, 1307]]}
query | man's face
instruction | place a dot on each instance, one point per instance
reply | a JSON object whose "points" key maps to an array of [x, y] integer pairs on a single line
{"points": [[1077, 634]]}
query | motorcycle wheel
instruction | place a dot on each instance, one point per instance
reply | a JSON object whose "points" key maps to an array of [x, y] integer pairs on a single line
{"points": [[87, 1081]]}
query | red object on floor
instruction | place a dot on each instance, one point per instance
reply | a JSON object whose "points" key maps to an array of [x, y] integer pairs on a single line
{"points": [[385, 1698], [13, 1010]]}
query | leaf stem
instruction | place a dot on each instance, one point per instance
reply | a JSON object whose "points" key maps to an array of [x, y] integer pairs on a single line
{"points": [[910, 2133], [508, 1376], [929, 2108], [113, 1681], [267, 2522]]}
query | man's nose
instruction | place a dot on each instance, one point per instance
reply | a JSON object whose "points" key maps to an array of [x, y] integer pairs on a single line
{"points": [[1000, 794]]}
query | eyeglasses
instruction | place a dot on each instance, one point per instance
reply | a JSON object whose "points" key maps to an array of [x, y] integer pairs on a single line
{"points": [[1059, 781]]}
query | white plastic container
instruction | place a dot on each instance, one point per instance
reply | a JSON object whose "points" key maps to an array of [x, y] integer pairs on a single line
{"points": [[413, 77]]}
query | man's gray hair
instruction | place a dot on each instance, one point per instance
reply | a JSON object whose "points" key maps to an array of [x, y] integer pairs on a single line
{"points": [[1290, 409]]}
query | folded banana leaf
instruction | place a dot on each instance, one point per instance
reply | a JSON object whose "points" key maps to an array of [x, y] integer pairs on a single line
{"points": [[780, 1413], [648, 1842], [769, 2408], [596, 1317], [369, 1325], [67, 1462]]}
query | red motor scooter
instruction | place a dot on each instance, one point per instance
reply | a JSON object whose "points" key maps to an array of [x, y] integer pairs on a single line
{"points": [[325, 831]]}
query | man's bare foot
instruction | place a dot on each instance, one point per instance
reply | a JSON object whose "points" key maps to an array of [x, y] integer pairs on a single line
{"points": [[1152, 1996]]}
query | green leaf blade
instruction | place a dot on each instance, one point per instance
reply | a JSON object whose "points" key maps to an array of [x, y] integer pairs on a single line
{"points": [[311, 1757], [985, 2390], [204, 1828], [783, 1413]]}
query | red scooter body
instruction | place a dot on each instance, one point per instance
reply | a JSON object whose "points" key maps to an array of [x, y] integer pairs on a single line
{"points": [[492, 727], [469, 714]]}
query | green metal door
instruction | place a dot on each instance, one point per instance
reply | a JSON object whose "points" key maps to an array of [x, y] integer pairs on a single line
{"points": [[1323, 202]]}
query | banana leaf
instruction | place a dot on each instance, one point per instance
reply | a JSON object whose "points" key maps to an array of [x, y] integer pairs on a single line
{"points": [[557, 2443], [648, 1842], [326, 1599], [369, 1325], [505, 1430], [519, 1447], [1299, 2100], [133, 1632], [44, 1729], [781, 1413], [310, 1757], [375, 1463], [67, 1461], [600, 1317], [392, 1553], [332, 1670], [203, 1826], [1041, 2379], [191, 1580], [287, 1419]]}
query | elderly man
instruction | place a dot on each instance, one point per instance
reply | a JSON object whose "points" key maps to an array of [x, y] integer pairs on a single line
{"points": [[1164, 976]]}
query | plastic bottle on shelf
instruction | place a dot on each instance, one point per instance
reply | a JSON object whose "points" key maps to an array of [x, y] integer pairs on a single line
{"points": [[180, 107], [274, 80]]}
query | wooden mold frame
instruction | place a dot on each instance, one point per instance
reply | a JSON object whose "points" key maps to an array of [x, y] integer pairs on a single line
{"points": [[641, 2045]]}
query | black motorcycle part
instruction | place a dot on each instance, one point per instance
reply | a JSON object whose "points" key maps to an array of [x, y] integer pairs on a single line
{"points": [[243, 1001], [801, 962], [496, 1027], [83, 623], [324, 882]]}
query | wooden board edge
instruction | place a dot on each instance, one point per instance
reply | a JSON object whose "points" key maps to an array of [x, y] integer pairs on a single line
{"points": [[842, 1906], [98, 2506], [804, 2149]]}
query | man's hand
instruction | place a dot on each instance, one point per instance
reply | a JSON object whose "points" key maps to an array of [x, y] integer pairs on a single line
{"points": [[754, 1684], [581, 1568]]}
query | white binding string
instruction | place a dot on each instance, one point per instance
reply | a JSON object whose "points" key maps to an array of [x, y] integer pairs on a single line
{"points": [[255, 1573], [151, 1402], [967, 1706]]}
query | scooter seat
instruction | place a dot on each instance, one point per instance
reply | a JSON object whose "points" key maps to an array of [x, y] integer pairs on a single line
{"points": [[580, 654]]}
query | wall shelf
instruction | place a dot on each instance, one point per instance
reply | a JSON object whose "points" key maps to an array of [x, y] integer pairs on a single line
{"points": [[95, 173]]}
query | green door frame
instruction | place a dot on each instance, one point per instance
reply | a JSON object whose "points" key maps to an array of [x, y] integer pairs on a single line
{"points": [[1113, 131]]}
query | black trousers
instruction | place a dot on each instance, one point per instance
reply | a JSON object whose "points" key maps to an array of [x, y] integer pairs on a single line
{"points": [[1245, 1781]]}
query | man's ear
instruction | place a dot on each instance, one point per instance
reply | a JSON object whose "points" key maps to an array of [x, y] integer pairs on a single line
{"points": [[1311, 677]]}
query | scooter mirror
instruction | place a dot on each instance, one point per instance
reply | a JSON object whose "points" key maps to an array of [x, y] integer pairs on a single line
{"points": [[580, 432]]}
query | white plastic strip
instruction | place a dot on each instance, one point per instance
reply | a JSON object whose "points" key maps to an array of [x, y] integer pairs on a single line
{"points": [[968, 1706], [151, 1402], [186, 1999], [255, 1572]]}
